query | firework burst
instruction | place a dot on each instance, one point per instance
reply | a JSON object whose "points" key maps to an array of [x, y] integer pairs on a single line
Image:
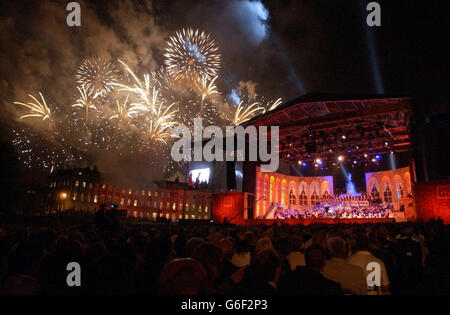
{"points": [[160, 124], [192, 54], [97, 76]]}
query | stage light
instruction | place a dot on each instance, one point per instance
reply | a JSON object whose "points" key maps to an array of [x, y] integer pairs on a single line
{"points": [[316, 165], [304, 164], [319, 161], [63, 195], [365, 155], [340, 158], [288, 155], [392, 152], [377, 156], [344, 137], [349, 151], [386, 143], [373, 160], [330, 150], [354, 162], [299, 162], [357, 147]]}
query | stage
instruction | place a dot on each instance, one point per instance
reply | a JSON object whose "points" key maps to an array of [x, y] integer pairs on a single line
{"points": [[316, 221]]}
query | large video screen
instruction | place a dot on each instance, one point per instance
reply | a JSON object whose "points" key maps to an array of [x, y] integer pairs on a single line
{"points": [[202, 174]]}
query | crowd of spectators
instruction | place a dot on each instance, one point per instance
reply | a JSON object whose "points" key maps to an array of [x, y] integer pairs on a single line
{"points": [[225, 259]]}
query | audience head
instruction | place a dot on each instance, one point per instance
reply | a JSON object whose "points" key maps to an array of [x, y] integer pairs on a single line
{"points": [[337, 247], [210, 256], [265, 265], [192, 244], [183, 276], [315, 257], [295, 243]]}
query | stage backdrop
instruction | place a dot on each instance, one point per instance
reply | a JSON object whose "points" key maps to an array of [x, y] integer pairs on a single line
{"points": [[393, 186], [292, 192]]}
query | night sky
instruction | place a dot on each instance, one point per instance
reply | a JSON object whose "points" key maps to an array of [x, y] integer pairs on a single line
{"points": [[284, 48]]}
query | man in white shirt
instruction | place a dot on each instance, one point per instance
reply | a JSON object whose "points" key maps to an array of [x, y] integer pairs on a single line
{"points": [[351, 277], [374, 269]]}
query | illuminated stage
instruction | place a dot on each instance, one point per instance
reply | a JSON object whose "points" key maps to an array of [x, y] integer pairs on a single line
{"points": [[322, 138], [318, 221]]}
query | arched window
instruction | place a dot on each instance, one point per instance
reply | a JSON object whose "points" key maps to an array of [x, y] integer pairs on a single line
{"points": [[302, 198], [387, 194], [314, 198], [292, 200], [400, 192], [374, 193], [326, 194]]}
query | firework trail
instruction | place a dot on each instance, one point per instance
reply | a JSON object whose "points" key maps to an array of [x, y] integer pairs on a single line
{"points": [[85, 102], [272, 105], [122, 110], [97, 76], [243, 112], [37, 109], [192, 54], [205, 89]]}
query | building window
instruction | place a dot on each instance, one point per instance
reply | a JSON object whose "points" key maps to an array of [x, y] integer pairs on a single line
{"points": [[374, 193], [292, 200], [149, 193], [135, 203], [400, 191], [143, 193], [95, 198], [174, 206], [74, 195], [82, 197], [314, 198], [84, 184], [129, 191], [77, 183], [122, 201], [387, 194], [303, 199], [206, 208]]}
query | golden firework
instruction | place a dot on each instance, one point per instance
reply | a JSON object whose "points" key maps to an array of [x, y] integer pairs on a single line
{"points": [[85, 102], [122, 110], [192, 54], [244, 113], [37, 109], [160, 123]]}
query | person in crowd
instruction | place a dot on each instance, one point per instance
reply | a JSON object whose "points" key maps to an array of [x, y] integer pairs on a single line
{"points": [[210, 256], [183, 276], [378, 283], [309, 279], [350, 277], [262, 276], [295, 257]]}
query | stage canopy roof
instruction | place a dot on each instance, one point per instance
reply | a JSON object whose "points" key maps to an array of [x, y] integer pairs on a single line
{"points": [[326, 126]]}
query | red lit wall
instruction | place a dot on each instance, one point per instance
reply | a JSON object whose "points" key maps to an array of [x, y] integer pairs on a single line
{"points": [[228, 205], [432, 200]]}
